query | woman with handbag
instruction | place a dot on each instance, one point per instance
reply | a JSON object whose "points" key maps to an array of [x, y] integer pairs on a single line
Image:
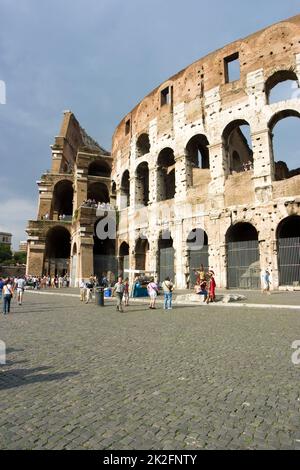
{"points": [[7, 296]]}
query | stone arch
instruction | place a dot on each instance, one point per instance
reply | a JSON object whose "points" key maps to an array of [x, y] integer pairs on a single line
{"points": [[123, 259], [99, 168], [281, 85], [142, 145], [63, 199], [98, 192], [197, 247], [237, 145], [243, 260], [281, 125], [57, 251], [197, 155], [288, 241], [166, 185], [125, 190], [142, 184], [104, 253], [141, 253], [166, 256]]}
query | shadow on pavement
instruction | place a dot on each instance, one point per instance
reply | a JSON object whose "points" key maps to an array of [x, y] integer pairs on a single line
{"points": [[18, 377]]}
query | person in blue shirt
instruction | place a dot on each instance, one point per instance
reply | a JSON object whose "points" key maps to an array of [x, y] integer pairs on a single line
{"points": [[1, 287]]}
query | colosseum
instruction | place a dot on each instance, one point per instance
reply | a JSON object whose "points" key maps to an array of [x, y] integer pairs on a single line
{"points": [[192, 177]]}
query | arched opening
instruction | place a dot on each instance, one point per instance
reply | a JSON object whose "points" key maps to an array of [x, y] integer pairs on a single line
{"points": [[166, 255], [125, 190], [99, 168], [243, 264], [142, 185], [282, 86], [143, 145], [141, 254], [58, 249], [124, 259], [197, 245], [105, 261], [166, 175], [285, 128], [63, 199], [288, 236], [237, 144], [197, 155], [98, 192]]}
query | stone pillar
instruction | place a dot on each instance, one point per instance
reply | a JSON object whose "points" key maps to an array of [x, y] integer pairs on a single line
{"points": [[264, 167], [153, 184], [181, 177], [218, 171], [86, 257], [35, 258], [179, 261], [268, 255]]}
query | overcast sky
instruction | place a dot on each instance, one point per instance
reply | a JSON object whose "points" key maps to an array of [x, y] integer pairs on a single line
{"points": [[97, 58]]}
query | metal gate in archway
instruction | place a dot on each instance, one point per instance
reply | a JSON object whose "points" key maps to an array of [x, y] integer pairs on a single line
{"points": [[166, 263], [243, 265], [196, 258], [289, 261]]}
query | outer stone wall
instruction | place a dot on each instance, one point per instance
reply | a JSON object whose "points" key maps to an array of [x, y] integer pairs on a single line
{"points": [[202, 101]]}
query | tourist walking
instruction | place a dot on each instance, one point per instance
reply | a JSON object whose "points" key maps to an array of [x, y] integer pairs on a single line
{"points": [[82, 290], [20, 286], [266, 282], [118, 290], [168, 293], [7, 296], [126, 292], [88, 291], [152, 290]]}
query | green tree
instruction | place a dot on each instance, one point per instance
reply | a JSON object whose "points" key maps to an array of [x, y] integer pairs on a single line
{"points": [[5, 253], [20, 257]]}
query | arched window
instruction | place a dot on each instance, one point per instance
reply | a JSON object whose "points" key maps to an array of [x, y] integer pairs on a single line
{"points": [[98, 192], [104, 251], [125, 190], [288, 236], [197, 245], [58, 249], [99, 168], [197, 155], [63, 198], [142, 185], [166, 175], [243, 265], [282, 86], [141, 253], [143, 145], [166, 254], [123, 259], [238, 147], [285, 129]]}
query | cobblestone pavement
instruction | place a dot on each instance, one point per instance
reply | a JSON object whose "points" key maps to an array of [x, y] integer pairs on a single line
{"points": [[86, 377]]}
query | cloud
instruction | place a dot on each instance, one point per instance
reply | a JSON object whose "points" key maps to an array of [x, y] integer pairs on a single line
{"points": [[14, 213]]}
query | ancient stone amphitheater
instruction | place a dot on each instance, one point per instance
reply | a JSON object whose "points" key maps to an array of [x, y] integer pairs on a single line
{"points": [[192, 178]]}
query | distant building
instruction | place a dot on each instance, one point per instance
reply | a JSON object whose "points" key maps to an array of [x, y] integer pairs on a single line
{"points": [[23, 246], [5, 238]]}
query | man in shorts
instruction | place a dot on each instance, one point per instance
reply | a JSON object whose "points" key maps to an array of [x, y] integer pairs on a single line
{"points": [[20, 286]]}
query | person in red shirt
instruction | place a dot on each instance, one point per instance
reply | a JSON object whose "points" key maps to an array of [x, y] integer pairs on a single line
{"points": [[212, 287]]}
